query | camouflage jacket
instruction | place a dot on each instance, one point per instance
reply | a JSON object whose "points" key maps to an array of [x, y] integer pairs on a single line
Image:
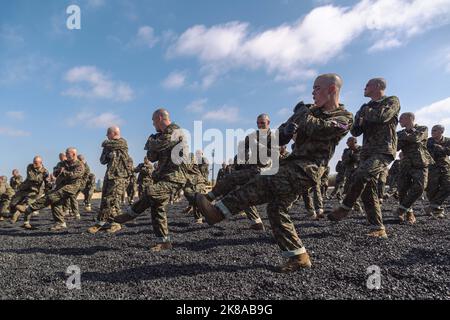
{"points": [[159, 148], [115, 157], [70, 177], [351, 159], [258, 149], [318, 134], [440, 151], [15, 182], [6, 192], [194, 172], [340, 168], [379, 122], [393, 173], [144, 172], [36, 178], [204, 168], [413, 144]]}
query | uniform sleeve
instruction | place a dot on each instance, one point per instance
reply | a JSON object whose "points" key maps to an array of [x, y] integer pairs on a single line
{"points": [[104, 156], [324, 129], [383, 113]]}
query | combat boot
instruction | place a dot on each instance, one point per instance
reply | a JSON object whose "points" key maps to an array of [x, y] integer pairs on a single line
{"points": [[258, 227], [123, 218], [161, 247], [312, 214], [115, 227], [94, 229], [77, 217], [439, 213], [199, 221], [320, 214], [410, 218], [296, 263], [378, 234], [211, 213], [59, 227], [338, 214], [88, 208], [27, 226], [400, 215], [2, 219]]}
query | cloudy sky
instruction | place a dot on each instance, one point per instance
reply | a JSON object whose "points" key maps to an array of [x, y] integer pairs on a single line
{"points": [[223, 62]]}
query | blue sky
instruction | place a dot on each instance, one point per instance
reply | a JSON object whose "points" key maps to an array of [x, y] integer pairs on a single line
{"points": [[223, 62]]}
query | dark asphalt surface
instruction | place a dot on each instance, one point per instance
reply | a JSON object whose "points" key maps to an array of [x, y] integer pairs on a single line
{"points": [[227, 261]]}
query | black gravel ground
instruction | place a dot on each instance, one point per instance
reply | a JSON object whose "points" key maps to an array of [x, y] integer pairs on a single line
{"points": [[227, 261]]}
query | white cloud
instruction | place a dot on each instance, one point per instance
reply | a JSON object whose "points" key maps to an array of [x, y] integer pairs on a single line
{"points": [[15, 115], [96, 85], [224, 114], [175, 80], [10, 132], [291, 50], [21, 69], [197, 105], [435, 113], [91, 120], [11, 35], [300, 88], [145, 37]]}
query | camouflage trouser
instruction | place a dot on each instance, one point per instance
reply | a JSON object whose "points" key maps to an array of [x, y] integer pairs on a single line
{"points": [[349, 176], [157, 198], [73, 204], [189, 192], [22, 197], [365, 184], [131, 191], [312, 199], [381, 187], [411, 184], [438, 188], [55, 199], [111, 196], [279, 191], [232, 181], [338, 186], [88, 192], [4, 207]]}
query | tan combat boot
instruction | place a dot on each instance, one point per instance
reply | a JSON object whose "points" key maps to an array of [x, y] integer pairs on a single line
{"points": [[94, 229], [161, 247], [338, 214], [296, 263], [439, 213], [59, 227], [115, 227], [400, 215], [320, 214], [211, 213], [410, 218], [27, 226], [199, 221], [378, 234], [312, 214]]}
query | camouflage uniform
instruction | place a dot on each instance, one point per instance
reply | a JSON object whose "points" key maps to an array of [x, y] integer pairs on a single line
{"points": [[168, 178], [196, 183], [242, 173], [393, 176], [382, 180], [379, 121], [414, 165], [317, 136], [438, 188], [29, 190], [70, 203], [313, 197], [350, 161], [6, 194], [15, 182], [340, 181], [204, 168], [88, 185], [115, 157], [144, 179], [68, 184]]}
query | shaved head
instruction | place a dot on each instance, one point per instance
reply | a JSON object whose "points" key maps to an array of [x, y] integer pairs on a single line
{"points": [[331, 79], [113, 133], [380, 83], [163, 113]]}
